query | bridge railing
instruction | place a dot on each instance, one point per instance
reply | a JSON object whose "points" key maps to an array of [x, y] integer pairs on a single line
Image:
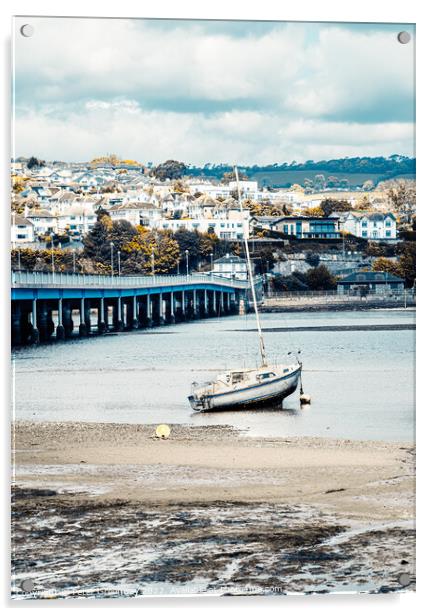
{"points": [[66, 280]]}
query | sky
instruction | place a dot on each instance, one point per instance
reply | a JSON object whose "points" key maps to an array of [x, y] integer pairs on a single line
{"points": [[211, 92]]}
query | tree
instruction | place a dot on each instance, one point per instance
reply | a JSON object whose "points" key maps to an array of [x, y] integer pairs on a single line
{"points": [[297, 281], [319, 181], [229, 176], [188, 240], [332, 181], [121, 233], [138, 252], [363, 203], [96, 243], [335, 205], [368, 185], [320, 279], [312, 259], [407, 261], [402, 194], [34, 162], [315, 211], [387, 265], [169, 170]]}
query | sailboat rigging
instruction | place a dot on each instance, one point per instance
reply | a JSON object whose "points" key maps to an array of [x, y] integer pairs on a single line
{"points": [[267, 385]]}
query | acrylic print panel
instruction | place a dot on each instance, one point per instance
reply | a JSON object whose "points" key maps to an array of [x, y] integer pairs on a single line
{"points": [[213, 307]]}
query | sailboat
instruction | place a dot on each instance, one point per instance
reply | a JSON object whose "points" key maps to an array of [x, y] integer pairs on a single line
{"points": [[246, 388]]}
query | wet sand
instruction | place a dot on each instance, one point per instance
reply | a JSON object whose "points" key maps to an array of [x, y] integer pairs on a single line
{"points": [[207, 510]]}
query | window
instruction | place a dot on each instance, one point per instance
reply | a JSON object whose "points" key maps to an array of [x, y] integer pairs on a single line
{"points": [[364, 234], [388, 234], [364, 223]]}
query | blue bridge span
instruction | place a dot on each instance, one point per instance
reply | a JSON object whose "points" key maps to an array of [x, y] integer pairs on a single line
{"points": [[58, 305]]}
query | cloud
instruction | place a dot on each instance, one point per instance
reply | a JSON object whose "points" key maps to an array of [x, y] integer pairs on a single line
{"points": [[237, 136], [211, 91]]}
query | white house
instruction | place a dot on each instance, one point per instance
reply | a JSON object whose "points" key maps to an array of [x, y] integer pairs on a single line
{"points": [[135, 213], [228, 226], [77, 219], [44, 222], [374, 226], [247, 188], [230, 266], [22, 231]]}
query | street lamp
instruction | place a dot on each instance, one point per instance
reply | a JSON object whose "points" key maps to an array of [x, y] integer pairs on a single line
{"points": [[119, 262], [111, 257], [153, 263], [52, 254], [19, 259], [186, 260], [13, 230], [73, 260], [212, 262]]}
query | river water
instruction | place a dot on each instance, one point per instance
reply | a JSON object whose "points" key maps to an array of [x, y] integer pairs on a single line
{"points": [[361, 382]]}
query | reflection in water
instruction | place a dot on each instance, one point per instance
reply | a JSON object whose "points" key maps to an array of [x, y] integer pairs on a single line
{"points": [[361, 382]]}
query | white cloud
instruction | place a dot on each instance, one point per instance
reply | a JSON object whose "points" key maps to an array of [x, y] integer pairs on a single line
{"points": [[242, 137], [201, 92]]}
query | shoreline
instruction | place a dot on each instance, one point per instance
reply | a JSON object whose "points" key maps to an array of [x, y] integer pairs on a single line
{"points": [[336, 307]]}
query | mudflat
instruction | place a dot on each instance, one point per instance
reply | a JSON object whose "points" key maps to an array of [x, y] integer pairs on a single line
{"points": [[292, 514]]}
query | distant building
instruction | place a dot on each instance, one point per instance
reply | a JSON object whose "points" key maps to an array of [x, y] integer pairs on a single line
{"points": [[301, 227], [44, 222], [230, 266], [22, 230], [380, 283], [374, 226], [248, 188], [231, 226]]}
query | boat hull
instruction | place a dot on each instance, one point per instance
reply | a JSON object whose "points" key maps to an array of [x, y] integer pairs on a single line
{"points": [[267, 394]]}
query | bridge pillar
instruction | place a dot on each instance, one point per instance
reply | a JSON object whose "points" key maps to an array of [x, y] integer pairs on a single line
{"points": [[16, 323], [214, 303], [35, 331], [67, 322], [82, 329], [233, 303], [161, 319], [42, 320], [119, 315], [195, 311], [149, 311], [135, 321], [221, 303], [205, 303], [50, 322], [60, 330], [141, 312], [183, 306], [226, 300], [102, 323], [171, 316]]}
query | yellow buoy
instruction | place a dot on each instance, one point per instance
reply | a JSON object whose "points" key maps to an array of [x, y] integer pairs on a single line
{"points": [[162, 431]]}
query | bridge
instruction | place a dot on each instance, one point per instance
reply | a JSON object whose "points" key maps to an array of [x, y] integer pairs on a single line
{"points": [[59, 305]]}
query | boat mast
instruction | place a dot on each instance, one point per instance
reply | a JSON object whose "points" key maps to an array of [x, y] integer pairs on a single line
{"points": [[252, 282]]}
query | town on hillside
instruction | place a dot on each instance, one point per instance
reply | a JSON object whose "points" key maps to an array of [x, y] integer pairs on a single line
{"points": [[124, 218]]}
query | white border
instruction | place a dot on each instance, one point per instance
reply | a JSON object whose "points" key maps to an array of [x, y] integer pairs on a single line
{"points": [[399, 11]]}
